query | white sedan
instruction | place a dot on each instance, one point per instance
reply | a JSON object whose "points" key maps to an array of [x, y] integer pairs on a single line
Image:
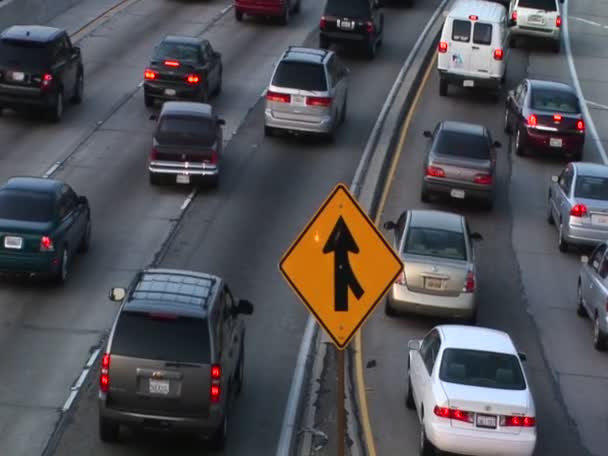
{"points": [[470, 392]]}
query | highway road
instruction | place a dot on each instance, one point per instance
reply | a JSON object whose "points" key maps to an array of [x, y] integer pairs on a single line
{"points": [[269, 188], [526, 286]]}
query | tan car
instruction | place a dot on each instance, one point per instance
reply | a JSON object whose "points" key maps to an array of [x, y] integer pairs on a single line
{"points": [[438, 277]]}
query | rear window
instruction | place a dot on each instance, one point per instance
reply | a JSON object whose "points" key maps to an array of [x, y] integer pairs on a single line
{"points": [[302, 76], [359, 9], [482, 34], [554, 100], [547, 5], [591, 187], [461, 31], [435, 243], [463, 145], [186, 130], [181, 339], [28, 53], [481, 368], [26, 206], [177, 51]]}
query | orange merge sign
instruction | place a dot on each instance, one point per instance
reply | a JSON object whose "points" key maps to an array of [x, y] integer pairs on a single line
{"points": [[340, 266]]}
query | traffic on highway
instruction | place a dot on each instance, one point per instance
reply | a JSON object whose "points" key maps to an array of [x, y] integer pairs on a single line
{"points": [[161, 155]]}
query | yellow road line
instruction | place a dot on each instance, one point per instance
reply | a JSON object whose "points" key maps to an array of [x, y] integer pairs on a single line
{"points": [[359, 376]]}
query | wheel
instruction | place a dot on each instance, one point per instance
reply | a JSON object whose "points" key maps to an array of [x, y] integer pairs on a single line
{"points": [[577, 156], [284, 20], [424, 195], [580, 308], [148, 99], [343, 113], [238, 15], [519, 148], [241, 372], [155, 179], [56, 112], [370, 51], [507, 126], [443, 87], [472, 320], [426, 447], [409, 397], [217, 441], [561, 242], [324, 43], [599, 338], [61, 276], [268, 131], [297, 7], [557, 45], [550, 219], [488, 204], [218, 89], [388, 309], [78, 89], [108, 431], [85, 242], [513, 42], [213, 181]]}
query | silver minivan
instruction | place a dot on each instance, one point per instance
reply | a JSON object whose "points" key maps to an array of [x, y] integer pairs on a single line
{"points": [[592, 294], [307, 93]]}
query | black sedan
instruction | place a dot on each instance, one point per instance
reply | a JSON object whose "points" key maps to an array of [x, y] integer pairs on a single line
{"points": [[43, 222], [183, 68]]}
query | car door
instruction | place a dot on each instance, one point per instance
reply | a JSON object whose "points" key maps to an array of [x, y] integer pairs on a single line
{"points": [[562, 199], [420, 373], [67, 61], [428, 396], [460, 47], [68, 231], [518, 105], [334, 85], [213, 64], [229, 348], [590, 275], [482, 49], [234, 329], [600, 290]]}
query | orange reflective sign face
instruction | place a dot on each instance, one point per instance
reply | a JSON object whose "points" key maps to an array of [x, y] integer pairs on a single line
{"points": [[340, 266]]}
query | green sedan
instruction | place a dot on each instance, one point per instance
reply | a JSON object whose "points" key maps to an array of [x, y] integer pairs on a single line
{"points": [[43, 223]]}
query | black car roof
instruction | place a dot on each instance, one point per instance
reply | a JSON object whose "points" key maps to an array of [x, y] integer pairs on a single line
{"points": [[183, 39], [187, 108], [551, 85], [463, 127], [38, 33], [33, 184]]}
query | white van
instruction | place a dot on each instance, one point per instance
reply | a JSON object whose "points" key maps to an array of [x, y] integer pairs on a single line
{"points": [[473, 49]]}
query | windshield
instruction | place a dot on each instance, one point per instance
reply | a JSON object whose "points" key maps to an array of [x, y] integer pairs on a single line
{"points": [[359, 9], [591, 188], [547, 5], [435, 243], [26, 206], [555, 100], [462, 145], [301, 76], [31, 54], [481, 368], [187, 130], [177, 51]]}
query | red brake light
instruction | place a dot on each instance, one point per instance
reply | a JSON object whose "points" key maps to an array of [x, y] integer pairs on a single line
{"points": [[46, 244], [278, 97], [498, 54], [557, 117], [483, 179], [213, 159], [558, 21], [435, 171], [216, 372], [171, 63], [460, 415], [473, 17], [442, 47], [532, 120], [578, 210], [401, 279], [518, 421], [193, 79], [47, 79], [469, 283], [370, 27], [104, 377], [580, 125], [149, 74], [323, 23], [153, 154], [442, 412], [318, 101], [216, 389], [514, 16]]}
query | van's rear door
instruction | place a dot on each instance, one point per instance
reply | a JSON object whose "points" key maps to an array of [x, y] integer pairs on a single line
{"points": [[459, 48], [482, 49]]}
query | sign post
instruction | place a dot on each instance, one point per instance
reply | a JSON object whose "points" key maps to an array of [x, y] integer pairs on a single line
{"points": [[340, 266]]}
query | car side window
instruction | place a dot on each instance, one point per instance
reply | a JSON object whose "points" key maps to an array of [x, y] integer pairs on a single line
{"points": [[565, 180], [596, 257], [603, 270], [219, 322], [428, 350], [67, 45], [203, 54], [229, 304], [522, 94], [67, 202]]}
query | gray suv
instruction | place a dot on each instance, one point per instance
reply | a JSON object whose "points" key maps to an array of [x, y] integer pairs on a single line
{"points": [[174, 360]]}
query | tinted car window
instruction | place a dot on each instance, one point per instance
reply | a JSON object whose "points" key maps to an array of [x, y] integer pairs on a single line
{"points": [[177, 51], [462, 145], [481, 368], [26, 206], [482, 34], [553, 100], [186, 130], [299, 75], [143, 335], [348, 8], [547, 5], [435, 243], [461, 31], [591, 187], [30, 53]]}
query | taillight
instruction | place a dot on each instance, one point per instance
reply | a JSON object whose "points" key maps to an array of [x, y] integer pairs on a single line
{"points": [[214, 158], [104, 377], [318, 101], [517, 421], [580, 125], [557, 117], [216, 378], [435, 171], [46, 244], [469, 283], [278, 97], [514, 16], [193, 79], [323, 23], [453, 414], [473, 17], [532, 120], [149, 74], [401, 279], [578, 210], [498, 54], [171, 63], [369, 27], [153, 153], [483, 179], [46, 81], [442, 47], [558, 21]]}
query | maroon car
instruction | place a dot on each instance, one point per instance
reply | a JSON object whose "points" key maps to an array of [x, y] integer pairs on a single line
{"points": [[282, 9], [545, 116]]}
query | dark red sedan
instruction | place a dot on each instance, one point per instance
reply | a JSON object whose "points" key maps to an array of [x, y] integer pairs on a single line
{"points": [[545, 116]]}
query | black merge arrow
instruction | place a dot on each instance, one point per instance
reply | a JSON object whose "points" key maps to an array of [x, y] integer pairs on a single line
{"points": [[341, 242]]}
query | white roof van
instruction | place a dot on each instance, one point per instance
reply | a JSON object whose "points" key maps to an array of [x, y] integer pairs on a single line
{"points": [[473, 49]]}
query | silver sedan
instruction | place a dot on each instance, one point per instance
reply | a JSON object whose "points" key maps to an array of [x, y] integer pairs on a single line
{"points": [[439, 265], [592, 294], [578, 204]]}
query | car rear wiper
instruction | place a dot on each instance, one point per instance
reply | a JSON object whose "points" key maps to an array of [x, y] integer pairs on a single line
{"points": [[180, 364]]}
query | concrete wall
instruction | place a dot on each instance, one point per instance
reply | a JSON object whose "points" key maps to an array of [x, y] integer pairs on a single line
{"points": [[17, 12]]}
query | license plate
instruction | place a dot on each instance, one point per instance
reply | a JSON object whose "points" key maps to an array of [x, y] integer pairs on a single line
{"points": [[159, 387], [17, 76], [486, 421], [535, 19], [555, 142], [432, 284], [346, 25], [13, 242], [182, 179], [455, 193], [468, 83], [170, 92], [298, 100], [599, 219]]}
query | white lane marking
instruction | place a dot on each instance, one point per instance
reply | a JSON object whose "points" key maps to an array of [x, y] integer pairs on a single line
{"points": [[579, 90], [225, 10], [51, 170], [140, 84], [81, 379], [93, 357], [188, 200], [597, 105], [70, 400], [586, 21]]}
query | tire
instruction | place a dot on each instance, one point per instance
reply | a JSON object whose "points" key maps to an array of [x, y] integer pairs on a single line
{"points": [[217, 442], [370, 51], [62, 274], [148, 99], [425, 197], [213, 181], [343, 113], [297, 7], [218, 89], [108, 432], [577, 156], [389, 311], [409, 397], [426, 447], [238, 15], [488, 204], [78, 89], [56, 112], [507, 126], [472, 320], [324, 43], [562, 244], [443, 87], [269, 131], [284, 20], [519, 148], [241, 372], [155, 179], [580, 308], [85, 242], [513, 43], [557, 46], [599, 338]]}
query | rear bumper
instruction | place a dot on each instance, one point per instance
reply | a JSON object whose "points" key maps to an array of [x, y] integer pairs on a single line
{"points": [[182, 91], [322, 124], [346, 37], [402, 299], [175, 168], [444, 187], [13, 97], [540, 140], [259, 10], [30, 263], [536, 32], [577, 234], [491, 82]]}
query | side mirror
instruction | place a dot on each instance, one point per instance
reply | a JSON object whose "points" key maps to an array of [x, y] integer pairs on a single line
{"points": [[522, 356], [497, 144], [153, 117], [221, 121], [511, 23], [244, 307], [414, 344], [584, 259], [390, 225], [117, 294], [83, 200], [427, 134], [554, 179], [476, 237]]}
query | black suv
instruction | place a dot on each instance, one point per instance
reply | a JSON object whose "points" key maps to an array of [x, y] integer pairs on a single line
{"points": [[183, 68], [352, 22], [40, 68], [175, 357]]}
